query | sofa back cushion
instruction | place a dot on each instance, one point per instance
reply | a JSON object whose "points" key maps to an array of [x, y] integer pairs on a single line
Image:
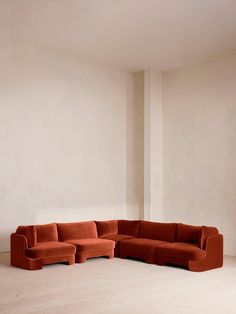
{"points": [[30, 233], [189, 234], [128, 227], [207, 232], [107, 227], [157, 231], [47, 232], [77, 230]]}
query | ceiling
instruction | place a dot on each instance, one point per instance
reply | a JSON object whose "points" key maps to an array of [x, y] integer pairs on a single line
{"points": [[130, 35]]}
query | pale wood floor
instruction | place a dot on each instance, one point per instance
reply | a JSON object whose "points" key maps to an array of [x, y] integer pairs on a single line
{"points": [[116, 286]]}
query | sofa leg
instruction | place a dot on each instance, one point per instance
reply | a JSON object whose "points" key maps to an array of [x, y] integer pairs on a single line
{"points": [[123, 256], [160, 261], [111, 255], [116, 253], [81, 259], [149, 261], [71, 260]]}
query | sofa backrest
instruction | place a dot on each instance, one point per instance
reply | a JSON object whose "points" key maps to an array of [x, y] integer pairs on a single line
{"points": [[30, 233], [157, 231], [129, 227], [107, 227], [189, 234], [77, 230], [170, 232], [46, 232]]}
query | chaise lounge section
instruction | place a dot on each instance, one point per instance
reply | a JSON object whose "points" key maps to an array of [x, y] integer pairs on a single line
{"points": [[197, 248]]}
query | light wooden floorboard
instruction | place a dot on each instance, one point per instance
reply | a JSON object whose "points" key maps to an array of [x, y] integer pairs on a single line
{"points": [[116, 286]]}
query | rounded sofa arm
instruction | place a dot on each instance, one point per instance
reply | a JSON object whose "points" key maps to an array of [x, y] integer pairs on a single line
{"points": [[18, 258], [214, 255], [215, 243]]}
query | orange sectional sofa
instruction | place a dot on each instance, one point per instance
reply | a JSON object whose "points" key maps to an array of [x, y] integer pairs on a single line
{"points": [[198, 248]]}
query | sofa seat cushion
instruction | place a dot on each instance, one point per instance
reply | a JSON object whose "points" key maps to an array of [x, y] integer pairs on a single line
{"points": [[116, 238], [46, 249], [181, 250], [92, 244], [140, 244]]}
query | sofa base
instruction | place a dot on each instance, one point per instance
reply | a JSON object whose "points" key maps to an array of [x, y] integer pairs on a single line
{"points": [[147, 258], [27, 263], [116, 252], [69, 259], [164, 260], [83, 256]]}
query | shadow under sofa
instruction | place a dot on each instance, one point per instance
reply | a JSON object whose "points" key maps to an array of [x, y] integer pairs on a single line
{"points": [[198, 248]]}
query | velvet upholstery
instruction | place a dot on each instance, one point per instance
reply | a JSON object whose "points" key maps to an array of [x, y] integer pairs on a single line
{"points": [[88, 248], [128, 227], [107, 227], [47, 232], [140, 248], [198, 248], [50, 248], [19, 244], [157, 231], [189, 234], [116, 238], [92, 244], [206, 233], [77, 230], [81, 257], [19, 247], [213, 256], [181, 250], [91, 247], [30, 233]]}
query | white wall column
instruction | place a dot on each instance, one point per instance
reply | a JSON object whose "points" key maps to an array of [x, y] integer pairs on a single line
{"points": [[153, 142]]}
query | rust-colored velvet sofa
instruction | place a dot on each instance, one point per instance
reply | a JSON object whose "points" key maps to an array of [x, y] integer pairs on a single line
{"points": [[198, 248]]}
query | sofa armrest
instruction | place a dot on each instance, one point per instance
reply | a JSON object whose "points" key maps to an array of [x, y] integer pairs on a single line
{"points": [[215, 247], [21, 240], [18, 258], [215, 244], [214, 255]]}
